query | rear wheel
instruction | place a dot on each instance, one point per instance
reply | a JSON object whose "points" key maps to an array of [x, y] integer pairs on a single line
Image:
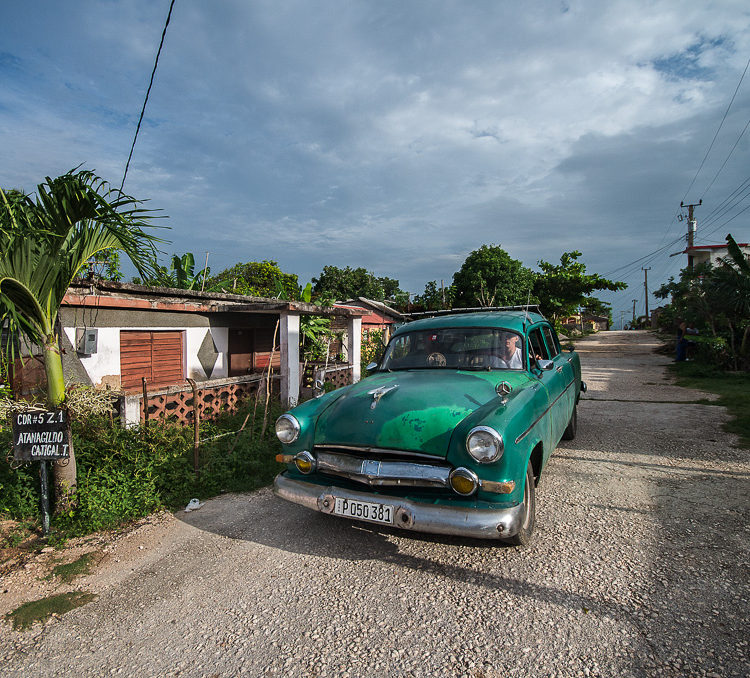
{"points": [[529, 509], [572, 428]]}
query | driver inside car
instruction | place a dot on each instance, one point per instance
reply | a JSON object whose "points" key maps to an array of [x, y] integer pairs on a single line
{"points": [[510, 352]]}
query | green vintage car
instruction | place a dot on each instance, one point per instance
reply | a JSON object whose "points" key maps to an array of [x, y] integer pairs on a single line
{"points": [[449, 434]]}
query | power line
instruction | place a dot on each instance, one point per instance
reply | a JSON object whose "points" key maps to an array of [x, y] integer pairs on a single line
{"points": [[725, 211], [720, 206], [728, 220], [640, 260], [630, 268], [726, 160], [148, 91], [721, 124]]}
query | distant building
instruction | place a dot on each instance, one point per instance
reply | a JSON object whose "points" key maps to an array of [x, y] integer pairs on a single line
{"points": [[379, 316], [655, 314], [713, 254], [596, 323]]}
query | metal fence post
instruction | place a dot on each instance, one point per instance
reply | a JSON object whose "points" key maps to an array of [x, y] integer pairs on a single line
{"points": [[196, 425], [145, 403]]}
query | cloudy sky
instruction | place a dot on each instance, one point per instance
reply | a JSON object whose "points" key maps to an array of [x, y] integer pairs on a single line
{"points": [[398, 136]]}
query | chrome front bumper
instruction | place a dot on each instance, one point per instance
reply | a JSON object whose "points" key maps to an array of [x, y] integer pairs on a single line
{"points": [[409, 515]]}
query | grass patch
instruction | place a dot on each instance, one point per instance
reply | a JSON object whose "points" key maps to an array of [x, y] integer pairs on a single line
{"points": [[18, 536], [66, 572], [40, 610], [14, 538], [733, 390]]}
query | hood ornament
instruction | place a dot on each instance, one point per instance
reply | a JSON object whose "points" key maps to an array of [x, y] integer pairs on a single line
{"points": [[378, 393], [503, 389]]}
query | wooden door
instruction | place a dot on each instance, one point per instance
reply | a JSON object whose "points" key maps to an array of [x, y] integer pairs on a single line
{"points": [[241, 345]]}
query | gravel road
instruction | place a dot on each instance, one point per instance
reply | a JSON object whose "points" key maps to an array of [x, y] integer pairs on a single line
{"points": [[639, 568]]}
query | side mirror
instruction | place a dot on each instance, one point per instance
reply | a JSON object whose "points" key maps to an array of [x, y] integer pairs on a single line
{"points": [[545, 364], [371, 367]]}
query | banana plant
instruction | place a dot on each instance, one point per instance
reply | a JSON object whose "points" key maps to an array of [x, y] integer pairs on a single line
{"points": [[732, 281], [181, 274], [315, 330]]}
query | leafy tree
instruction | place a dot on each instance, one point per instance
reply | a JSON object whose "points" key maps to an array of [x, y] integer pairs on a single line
{"points": [[694, 297], [180, 275], [490, 277], [390, 286], [561, 288], [256, 279], [715, 298], [433, 298], [44, 243], [348, 283]]}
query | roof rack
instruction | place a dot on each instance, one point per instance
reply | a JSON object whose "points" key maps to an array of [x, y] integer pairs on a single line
{"points": [[526, 307]]}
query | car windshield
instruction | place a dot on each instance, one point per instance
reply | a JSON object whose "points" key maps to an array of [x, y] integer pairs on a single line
{"points": [[463, 348]]}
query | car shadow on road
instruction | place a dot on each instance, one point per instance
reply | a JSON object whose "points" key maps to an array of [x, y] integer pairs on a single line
{"points": [[665, 468], [270, 522]]}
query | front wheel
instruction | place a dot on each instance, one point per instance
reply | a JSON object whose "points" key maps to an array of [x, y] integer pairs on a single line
{"points": [[529, 509], [572, 428]]}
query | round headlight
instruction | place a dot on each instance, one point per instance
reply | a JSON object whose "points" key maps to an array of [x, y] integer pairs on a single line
{"points": [[484, 444], [287, 428]]}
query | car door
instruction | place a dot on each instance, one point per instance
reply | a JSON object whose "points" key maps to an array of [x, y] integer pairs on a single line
{"points": [[563, 365], [554, 382]]}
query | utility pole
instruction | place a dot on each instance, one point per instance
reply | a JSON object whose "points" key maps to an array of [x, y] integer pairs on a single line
{"points": [[442, 293], [205, 270], [622, 320], [692, 227], [634, 302], [645, 284]]}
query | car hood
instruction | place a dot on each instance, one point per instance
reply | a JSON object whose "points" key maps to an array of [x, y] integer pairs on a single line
{"points": [[413, 410]]}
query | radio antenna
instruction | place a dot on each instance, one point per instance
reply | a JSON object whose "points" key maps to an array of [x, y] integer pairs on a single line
{"points": [[526, 310]]}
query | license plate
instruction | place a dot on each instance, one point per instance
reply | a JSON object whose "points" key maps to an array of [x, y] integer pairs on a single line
{"points": [[363, 510]]}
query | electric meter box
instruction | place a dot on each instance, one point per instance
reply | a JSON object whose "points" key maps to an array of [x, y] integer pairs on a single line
{"points": [[86, 340]]}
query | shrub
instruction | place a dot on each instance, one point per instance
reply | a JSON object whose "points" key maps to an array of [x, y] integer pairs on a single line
{"points": [[19, 488], [712, 350], [372, 349], [128, 473]]}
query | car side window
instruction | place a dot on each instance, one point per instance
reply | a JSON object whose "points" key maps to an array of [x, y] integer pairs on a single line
{"points": [[401, 347], [552, 345], [537, 348]]}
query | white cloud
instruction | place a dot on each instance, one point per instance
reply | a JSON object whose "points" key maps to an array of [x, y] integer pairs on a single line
{"points": [[398, 136]]}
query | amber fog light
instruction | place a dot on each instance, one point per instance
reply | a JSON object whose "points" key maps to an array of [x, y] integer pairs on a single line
{"points": [[463, 481], [305, 462], [287, 428]]}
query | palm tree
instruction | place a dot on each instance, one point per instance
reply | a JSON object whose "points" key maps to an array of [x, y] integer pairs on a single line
{"points": [[44, 244]]}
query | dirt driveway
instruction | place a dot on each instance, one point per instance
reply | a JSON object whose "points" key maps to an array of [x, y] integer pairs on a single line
{"points": [[639, 568]]}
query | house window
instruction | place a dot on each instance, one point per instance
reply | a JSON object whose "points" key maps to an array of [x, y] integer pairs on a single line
{"points": [[157, 356]]}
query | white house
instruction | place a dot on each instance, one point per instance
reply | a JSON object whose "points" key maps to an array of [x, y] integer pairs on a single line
{"points": [[701, 254]]}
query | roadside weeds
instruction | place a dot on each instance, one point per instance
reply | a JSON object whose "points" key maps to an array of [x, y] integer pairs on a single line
{"points": [[733, 390]]}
